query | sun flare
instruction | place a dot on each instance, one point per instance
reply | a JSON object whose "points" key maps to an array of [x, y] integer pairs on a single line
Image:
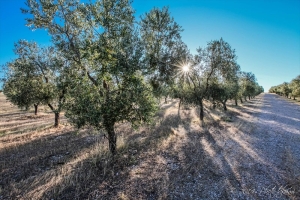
{"points": [[185, 68]]}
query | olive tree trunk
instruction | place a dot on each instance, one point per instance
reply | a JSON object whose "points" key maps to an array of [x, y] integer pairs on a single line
{"points": [[201, 110], [112, 138], [224, 105], [56, 114], [56, 120], [35, 108]]}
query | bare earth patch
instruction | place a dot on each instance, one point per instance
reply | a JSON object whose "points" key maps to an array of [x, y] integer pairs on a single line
{"points": [[250, 152]]}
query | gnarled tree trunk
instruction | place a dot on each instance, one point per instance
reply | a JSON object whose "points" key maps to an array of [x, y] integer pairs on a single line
{"points": [[201, 114], [56, 114], [224, 105], [56, 120], [35, 108], [112, 138]]}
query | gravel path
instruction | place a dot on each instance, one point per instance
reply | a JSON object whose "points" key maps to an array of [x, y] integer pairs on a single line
{"points": [[276, 141], [264, 151], [257, 156]]}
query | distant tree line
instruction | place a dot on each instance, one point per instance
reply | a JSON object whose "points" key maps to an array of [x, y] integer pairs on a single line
{"points": [[289, 90], [104, 67]]}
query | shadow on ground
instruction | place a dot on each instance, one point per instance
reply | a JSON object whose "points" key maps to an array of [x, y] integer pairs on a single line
{"points": [[174, 159]]}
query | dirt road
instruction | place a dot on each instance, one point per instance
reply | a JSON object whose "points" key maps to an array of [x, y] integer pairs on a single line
{"points": [[275, 143], [262, 152]]}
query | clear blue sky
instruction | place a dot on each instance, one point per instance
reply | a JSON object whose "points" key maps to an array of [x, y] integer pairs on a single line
{"points": [[264, 33]]}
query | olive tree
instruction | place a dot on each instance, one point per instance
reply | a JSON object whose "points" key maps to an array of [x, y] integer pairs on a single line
{"points": [[248, 84], [275, 89], [22, 86], [100, 41], [285, 90], [211, 64], [163, 48], [36, 77], [180, 86], [294, 85], [222, 92], [226, 86], [258, 89]]}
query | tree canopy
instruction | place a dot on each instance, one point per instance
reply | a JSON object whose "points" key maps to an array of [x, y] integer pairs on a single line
{"points": [[291, 89], [103, 68]]}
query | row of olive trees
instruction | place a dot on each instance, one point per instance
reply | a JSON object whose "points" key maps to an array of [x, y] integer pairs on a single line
{"points": [[104, 67], [214, 75], [288, 90]]}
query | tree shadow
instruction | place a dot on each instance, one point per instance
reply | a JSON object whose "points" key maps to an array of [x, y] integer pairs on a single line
{"points": [[222, 172], [111, 173], [13, 114], [35, 158], [201, 164]]}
